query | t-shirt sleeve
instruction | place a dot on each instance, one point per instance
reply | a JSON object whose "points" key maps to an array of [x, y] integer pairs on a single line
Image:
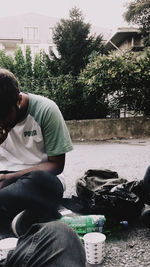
{"points": [[55, 132]]}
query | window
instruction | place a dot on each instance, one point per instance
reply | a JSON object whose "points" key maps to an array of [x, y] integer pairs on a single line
{"points": [[50, 36], [31, 33]]}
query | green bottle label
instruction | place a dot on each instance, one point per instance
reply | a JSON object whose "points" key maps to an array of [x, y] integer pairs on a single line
{"points": [[85, 223]]}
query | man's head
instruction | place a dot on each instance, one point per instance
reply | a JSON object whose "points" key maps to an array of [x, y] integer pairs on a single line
{"points": [[9, 94]]}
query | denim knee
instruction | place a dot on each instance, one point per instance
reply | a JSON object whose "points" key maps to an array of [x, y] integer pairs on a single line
{"points": [[61, 231], [68, 242], [62, 245], [48, 181], [48, 244], [146, 180]]}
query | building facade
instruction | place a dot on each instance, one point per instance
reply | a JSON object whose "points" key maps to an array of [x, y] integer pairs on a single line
{"points": [[34, 30], [125, 40], [28, 29]]}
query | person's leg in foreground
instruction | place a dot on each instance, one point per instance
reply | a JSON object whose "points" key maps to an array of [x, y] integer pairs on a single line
{"points": [[146, 180], [49, 244], [145, 215]]}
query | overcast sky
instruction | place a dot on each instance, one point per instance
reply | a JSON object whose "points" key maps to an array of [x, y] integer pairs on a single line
{"points": [[102, 13]]}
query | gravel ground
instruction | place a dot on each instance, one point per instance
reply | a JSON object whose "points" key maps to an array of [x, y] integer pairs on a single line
{"points": [[130, 248], [130, 158]]}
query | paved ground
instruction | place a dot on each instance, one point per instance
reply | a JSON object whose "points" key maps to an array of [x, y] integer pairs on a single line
{"points": [[129, 158]]}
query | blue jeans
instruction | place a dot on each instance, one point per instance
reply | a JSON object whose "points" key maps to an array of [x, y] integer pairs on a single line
{"points": [[38, 191], [52, 244]]}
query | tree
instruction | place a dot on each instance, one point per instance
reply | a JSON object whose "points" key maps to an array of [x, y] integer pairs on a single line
{"points": [[37, 73], [19, 63], [138, 12], [6, 61], [74, 43], [66, 91], [28, 69], [41, 73], [97, 81], [140, 91], [113, 82]]}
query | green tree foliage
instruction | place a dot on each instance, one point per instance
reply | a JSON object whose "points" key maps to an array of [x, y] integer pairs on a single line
{"points": [[138, 12], [139, 89], [95, 80], [37, 72], [106, 84], [19, 63], [67, 93], [74, 43], [118, 81], [6, 61], [42, 74], [28, 69]]}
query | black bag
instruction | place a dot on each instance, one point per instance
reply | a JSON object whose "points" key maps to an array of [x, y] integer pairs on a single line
{"points": [[103, 192]]}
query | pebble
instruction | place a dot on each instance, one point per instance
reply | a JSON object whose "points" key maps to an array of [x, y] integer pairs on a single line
{"points": [[130, 251]]}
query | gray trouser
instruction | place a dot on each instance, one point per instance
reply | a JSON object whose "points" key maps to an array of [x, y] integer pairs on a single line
{"points": [[48, 244]]}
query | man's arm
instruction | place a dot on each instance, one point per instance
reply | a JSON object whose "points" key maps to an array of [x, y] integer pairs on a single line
{"points": [[55, 164]]}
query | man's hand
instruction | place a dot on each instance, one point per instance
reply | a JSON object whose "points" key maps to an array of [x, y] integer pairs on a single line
{"points": [[55, 165]]}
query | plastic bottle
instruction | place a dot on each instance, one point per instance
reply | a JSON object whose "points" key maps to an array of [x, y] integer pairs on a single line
{"points": [[124, 224], [83, 224], [113, 229]]}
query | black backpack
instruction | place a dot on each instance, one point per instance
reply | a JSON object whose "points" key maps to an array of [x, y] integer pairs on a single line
{"points": [[103, 192]]}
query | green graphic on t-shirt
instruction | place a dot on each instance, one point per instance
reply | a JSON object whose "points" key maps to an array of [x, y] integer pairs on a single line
{"points": [[30, 133]]}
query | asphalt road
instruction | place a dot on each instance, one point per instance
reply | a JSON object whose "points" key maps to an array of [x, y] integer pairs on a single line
{"points": [[129, 158]]}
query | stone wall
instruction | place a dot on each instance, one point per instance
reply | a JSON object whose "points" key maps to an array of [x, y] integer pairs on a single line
{"points": [[104, 129]]}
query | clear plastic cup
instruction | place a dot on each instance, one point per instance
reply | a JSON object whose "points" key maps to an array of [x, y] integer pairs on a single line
{"points": [[94, 247]]}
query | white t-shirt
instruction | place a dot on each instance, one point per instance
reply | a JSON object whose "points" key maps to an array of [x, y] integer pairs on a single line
{"points": [[42, 133]]}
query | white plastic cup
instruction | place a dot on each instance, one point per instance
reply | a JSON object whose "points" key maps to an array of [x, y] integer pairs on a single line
{"points": [[94, 244], [6, 245]]}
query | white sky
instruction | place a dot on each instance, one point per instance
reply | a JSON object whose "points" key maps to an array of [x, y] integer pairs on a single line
{"points": [[102, 13]]}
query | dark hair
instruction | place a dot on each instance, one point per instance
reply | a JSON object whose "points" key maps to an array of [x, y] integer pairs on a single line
{"points": [[9, 91]]}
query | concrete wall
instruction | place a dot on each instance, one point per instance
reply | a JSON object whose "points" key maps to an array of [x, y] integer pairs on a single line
{"points": [[104, 129]]}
